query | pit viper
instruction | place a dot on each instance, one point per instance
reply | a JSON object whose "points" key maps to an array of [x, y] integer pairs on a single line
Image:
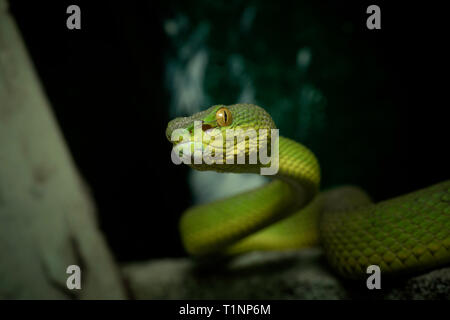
{"points": [[406, 234]]}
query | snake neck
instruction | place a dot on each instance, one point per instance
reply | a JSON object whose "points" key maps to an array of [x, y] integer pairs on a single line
{"points": [[213, 227], [299, 168]]}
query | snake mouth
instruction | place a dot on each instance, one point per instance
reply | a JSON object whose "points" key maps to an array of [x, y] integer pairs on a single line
{"points": [[206, 127], [208, 130]]}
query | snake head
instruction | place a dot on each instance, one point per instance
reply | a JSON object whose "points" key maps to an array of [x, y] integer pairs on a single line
{"points": [[222, 138]]}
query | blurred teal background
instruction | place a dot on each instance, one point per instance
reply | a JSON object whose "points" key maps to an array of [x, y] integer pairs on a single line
{"points": [[312, 67]]}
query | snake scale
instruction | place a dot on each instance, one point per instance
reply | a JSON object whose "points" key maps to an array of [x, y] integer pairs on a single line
{"points": [[406, 234]]}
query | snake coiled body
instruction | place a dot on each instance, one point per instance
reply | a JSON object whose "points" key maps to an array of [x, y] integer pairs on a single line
{"points": [[406, 234]]}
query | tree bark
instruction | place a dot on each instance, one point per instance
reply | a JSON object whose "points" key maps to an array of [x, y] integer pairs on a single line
{"points": [[47, 218]]}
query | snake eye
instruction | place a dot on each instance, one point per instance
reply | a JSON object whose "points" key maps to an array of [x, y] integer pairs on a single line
{"points": [[223, 117]]}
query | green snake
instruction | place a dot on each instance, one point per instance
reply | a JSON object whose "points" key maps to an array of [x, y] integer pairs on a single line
{"points": [[406, 234]]}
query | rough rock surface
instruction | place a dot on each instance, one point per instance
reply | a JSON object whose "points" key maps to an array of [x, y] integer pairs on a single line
{"points": [[271, 275], [47, 216]]}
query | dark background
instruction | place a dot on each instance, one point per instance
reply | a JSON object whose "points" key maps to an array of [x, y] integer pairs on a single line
{"points": [[386, 129]]}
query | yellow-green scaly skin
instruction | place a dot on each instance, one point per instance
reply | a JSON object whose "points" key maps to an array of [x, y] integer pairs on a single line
{"points": [[407, 234]]}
